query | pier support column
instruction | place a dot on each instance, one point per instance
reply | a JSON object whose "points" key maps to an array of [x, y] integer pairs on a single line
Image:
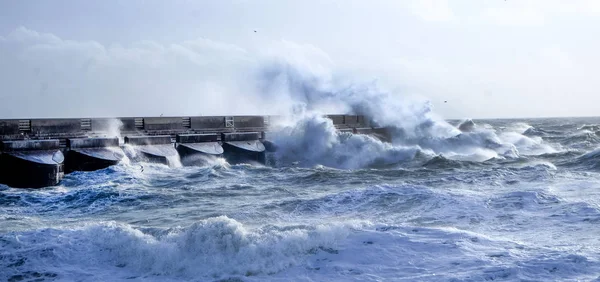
{"points": [[31, 163], [242, 147], [89, 154], [194, 149], [157, 149]]}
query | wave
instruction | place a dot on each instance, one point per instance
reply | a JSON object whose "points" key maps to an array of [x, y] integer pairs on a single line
{"points": [[581, 139], [222, 249], [209, 249], [311, 140], [590, 127], [307, 139], [368, 202], [440, 162], [522, 200], [588, 161], [534, 131]]}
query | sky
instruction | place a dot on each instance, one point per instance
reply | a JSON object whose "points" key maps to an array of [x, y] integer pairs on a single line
{"points": [[469, 59]]}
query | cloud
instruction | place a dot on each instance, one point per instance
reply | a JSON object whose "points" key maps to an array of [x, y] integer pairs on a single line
{"points": [[44, 75], [22, 34], [494, 74], [557, 57], [536, 13], [432, 10], [590, 8], [514, 16]]}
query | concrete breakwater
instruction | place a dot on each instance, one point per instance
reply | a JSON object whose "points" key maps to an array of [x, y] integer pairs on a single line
{"points": [[38, 152]]}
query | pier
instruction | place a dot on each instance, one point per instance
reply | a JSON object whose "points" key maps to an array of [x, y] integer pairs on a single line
{"points": [[37, 153]]}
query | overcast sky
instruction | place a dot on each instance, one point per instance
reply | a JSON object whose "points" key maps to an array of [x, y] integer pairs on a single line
{"points": [[486, 58]]}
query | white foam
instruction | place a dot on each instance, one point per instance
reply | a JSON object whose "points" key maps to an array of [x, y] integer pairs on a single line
{"points": [[174, 161], [209, 249], [527, 145], [414, 126], [518, 127], [313, 140]]}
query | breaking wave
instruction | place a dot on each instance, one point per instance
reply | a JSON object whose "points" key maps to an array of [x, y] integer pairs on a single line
{"points": [[311, 140], [305, 138], [209, 249]]}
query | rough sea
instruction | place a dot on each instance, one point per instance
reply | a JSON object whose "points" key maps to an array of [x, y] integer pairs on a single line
{"points": [[506, 200]]}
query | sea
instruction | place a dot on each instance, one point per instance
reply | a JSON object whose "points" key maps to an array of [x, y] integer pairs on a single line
{"points": [[496, 200]]}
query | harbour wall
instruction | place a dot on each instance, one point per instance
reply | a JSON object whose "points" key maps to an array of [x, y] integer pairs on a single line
{"points": [[36, 153]]}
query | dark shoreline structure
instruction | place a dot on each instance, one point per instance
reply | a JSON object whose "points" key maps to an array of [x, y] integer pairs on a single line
{"points": [[36, 153], [243, 147], [31, 164], [155, 149], [193, 149], [89, 154]]}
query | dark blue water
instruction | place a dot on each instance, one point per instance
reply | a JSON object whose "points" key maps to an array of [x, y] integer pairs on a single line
{"points": [[512, 200]]}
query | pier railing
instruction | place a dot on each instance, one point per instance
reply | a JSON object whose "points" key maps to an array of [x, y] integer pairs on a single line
{"points": [[23, 129]]}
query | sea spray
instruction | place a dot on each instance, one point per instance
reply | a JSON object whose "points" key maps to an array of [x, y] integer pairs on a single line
{"points": [[308, 90], [174, 161], [313, 139], [113, 129]]}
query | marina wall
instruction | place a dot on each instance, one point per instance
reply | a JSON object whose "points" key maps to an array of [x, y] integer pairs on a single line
{"points": [[37, 152]]}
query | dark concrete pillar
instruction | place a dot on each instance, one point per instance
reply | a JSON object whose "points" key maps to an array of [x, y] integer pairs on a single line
{"points": [[196, 149], [240, 147], [158, 149], [31, 163], [89, 154]]}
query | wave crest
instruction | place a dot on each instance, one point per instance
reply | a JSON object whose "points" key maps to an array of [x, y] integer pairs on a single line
{"points": [[212, 248]]}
